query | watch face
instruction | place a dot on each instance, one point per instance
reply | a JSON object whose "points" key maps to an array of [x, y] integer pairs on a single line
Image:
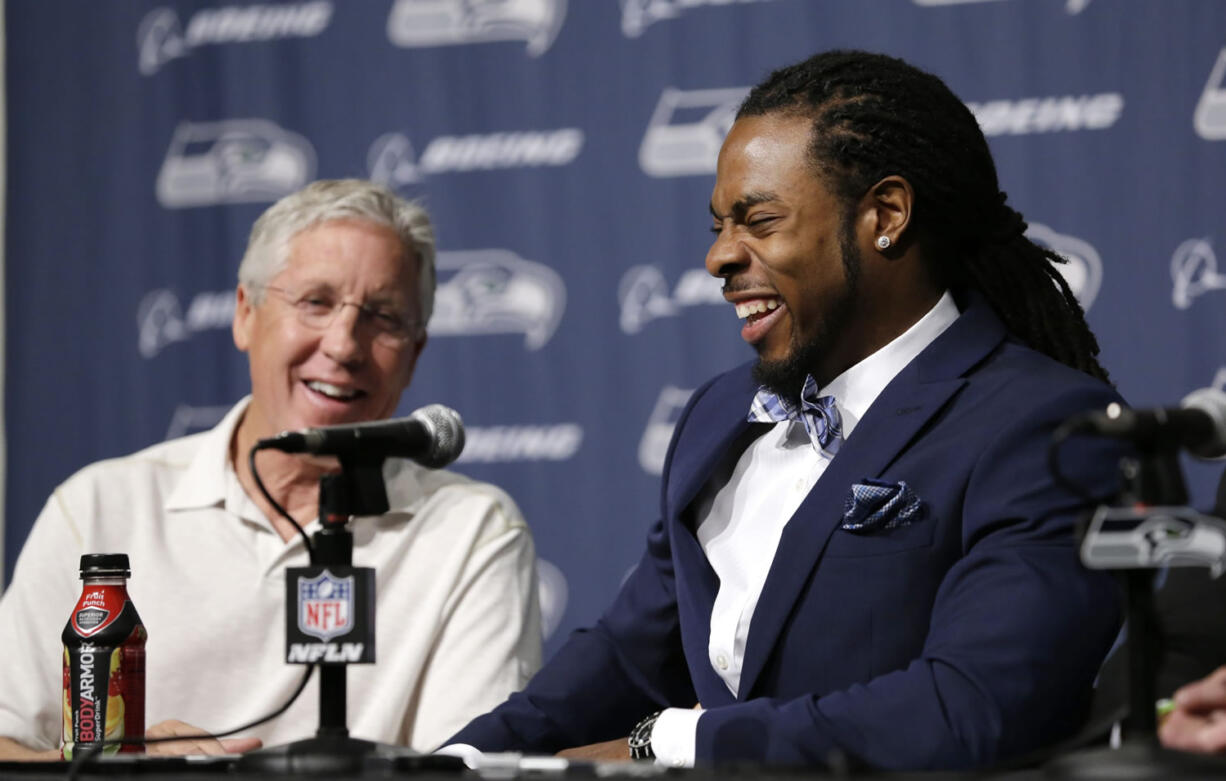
{"points": [[640, 736]]}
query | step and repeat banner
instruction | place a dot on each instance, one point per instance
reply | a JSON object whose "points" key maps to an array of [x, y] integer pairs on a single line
{"points": [[566, 150]]}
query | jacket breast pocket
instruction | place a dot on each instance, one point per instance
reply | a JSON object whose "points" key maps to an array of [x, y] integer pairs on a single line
{"points": [[882, 542]]}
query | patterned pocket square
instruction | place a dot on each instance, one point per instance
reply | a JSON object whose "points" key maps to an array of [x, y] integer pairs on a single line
{"points": [[875, 505]]}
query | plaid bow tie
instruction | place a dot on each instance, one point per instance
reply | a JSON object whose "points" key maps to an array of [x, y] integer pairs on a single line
{"points": [[818, 414]]}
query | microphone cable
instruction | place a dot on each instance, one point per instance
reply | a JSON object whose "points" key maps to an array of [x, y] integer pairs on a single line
{"points": [[275, 504]]}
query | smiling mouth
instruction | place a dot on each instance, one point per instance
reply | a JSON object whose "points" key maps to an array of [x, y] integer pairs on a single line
{"points": [[755, 310], [760, 316], [334, 392]]}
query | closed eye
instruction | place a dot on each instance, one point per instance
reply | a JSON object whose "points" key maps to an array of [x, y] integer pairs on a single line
{"points": [[315, 303], [387, 320]]}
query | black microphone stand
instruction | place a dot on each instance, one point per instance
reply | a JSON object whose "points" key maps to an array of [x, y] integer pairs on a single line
{"points": [[1153, 479], [358, 489]]}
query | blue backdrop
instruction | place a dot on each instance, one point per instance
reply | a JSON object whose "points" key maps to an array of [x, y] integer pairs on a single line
{"points": [[566, 151]]}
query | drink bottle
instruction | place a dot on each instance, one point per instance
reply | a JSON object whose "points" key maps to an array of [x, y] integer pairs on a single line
{"points": [[104, 659]]}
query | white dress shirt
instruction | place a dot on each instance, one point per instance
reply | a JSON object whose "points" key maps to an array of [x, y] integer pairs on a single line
{"points": [[742, 520]]}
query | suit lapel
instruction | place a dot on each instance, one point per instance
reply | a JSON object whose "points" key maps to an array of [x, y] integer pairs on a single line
{"points": [[719, 432], [720, 417], [918, 392]]}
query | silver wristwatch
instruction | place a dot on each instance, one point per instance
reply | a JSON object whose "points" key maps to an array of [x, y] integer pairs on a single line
{"points": [[640, 738]]}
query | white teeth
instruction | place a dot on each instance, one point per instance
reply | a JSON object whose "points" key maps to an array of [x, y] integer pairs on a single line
{"points": [[331, 391], [748, 308]]}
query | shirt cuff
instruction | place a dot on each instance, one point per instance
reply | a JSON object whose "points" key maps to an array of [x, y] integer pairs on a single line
{"points": [[674, 735], [470, 754]]}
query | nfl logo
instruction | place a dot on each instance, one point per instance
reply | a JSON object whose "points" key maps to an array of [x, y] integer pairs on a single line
{"points": [[325, 605]]}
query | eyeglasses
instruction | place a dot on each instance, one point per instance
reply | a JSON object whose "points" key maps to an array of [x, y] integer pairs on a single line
{"points": [[318, 308]]}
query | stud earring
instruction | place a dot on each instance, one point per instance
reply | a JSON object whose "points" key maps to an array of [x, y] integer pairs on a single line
{"points": [[883, 242]]}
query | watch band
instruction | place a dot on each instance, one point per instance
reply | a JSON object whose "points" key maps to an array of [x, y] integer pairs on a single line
{"points": [[640, 738]]}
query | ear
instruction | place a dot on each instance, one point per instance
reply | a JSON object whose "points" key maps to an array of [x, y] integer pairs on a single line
{"points": [[885, 210], [241, 326]]}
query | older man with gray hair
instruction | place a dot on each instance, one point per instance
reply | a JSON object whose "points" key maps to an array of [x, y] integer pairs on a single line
{"points": [[334, 293]]}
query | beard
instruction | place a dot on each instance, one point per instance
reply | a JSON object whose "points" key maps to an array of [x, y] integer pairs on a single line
{"points": [[786, 377]]}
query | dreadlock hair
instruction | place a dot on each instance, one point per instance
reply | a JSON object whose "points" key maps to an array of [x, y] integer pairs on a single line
{"points": [[875, 116]]}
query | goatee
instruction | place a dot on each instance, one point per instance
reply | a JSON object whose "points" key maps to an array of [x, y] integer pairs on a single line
{"points": [[786, 377]]}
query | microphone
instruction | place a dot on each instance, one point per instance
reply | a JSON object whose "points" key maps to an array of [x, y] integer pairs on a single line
{"points": [[433, 436], [1197, 424]]}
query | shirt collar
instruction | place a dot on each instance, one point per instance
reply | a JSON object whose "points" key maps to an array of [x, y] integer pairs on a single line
{"points": [[856, 389], [210, 479]]}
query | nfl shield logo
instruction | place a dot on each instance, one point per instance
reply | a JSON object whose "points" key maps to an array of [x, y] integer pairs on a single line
{"points": [[325, 605]]}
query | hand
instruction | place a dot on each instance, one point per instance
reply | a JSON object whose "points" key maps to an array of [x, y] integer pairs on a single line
{"points": [[194, 742], [1198, 722], [12, 751], [616, 750]]}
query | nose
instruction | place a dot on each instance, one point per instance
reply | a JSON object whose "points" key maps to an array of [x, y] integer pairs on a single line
{"points": [[341, 339], [727, 255]]}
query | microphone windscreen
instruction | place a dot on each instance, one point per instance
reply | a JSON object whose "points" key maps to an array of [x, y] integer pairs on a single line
{"points": [[447, 431]]}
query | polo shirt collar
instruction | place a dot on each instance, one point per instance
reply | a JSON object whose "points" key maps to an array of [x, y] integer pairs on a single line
{"points": [[210, 479]]}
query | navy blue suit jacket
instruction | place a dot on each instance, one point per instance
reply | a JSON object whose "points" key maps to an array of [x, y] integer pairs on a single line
{"points": [[964, 638]]}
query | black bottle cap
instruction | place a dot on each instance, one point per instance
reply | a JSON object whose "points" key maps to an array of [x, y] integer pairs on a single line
{"points": [[102, 565]]}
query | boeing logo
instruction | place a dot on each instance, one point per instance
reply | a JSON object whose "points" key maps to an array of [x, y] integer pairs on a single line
{"points": [[507, 444], [686, 130], [1083, 269], [494, 291], [644, 295], [421, 23], [391, 159], [160, 37], [233, 161], [1071, 6], [1048, 115], [638, 14], [160, 321], [1194, 272], [1209, 119], [653, 447]]}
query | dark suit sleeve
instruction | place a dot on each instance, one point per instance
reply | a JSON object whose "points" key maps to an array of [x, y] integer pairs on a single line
{"points": [[1017, 630], [604, 679]]}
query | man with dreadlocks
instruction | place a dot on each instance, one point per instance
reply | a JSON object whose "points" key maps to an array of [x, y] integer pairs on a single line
{"points": [[876, 565]]}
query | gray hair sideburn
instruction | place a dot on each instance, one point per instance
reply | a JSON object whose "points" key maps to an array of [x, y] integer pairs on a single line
{"points": [[267, 251]]}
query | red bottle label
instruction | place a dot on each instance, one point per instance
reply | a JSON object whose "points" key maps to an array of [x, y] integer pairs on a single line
{"points": [[98, 608], [104, 671]]}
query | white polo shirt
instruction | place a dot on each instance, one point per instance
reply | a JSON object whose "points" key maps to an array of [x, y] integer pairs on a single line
{"points": [[458, 620]]}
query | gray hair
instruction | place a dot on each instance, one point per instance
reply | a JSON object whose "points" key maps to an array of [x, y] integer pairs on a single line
{"points": [[337, 199]]}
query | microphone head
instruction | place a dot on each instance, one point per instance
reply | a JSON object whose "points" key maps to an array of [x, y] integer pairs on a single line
{"points": [[447, 432], [1212, 402]]}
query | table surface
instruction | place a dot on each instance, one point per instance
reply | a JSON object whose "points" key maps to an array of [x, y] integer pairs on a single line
{"points": [[1133, 762]]}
